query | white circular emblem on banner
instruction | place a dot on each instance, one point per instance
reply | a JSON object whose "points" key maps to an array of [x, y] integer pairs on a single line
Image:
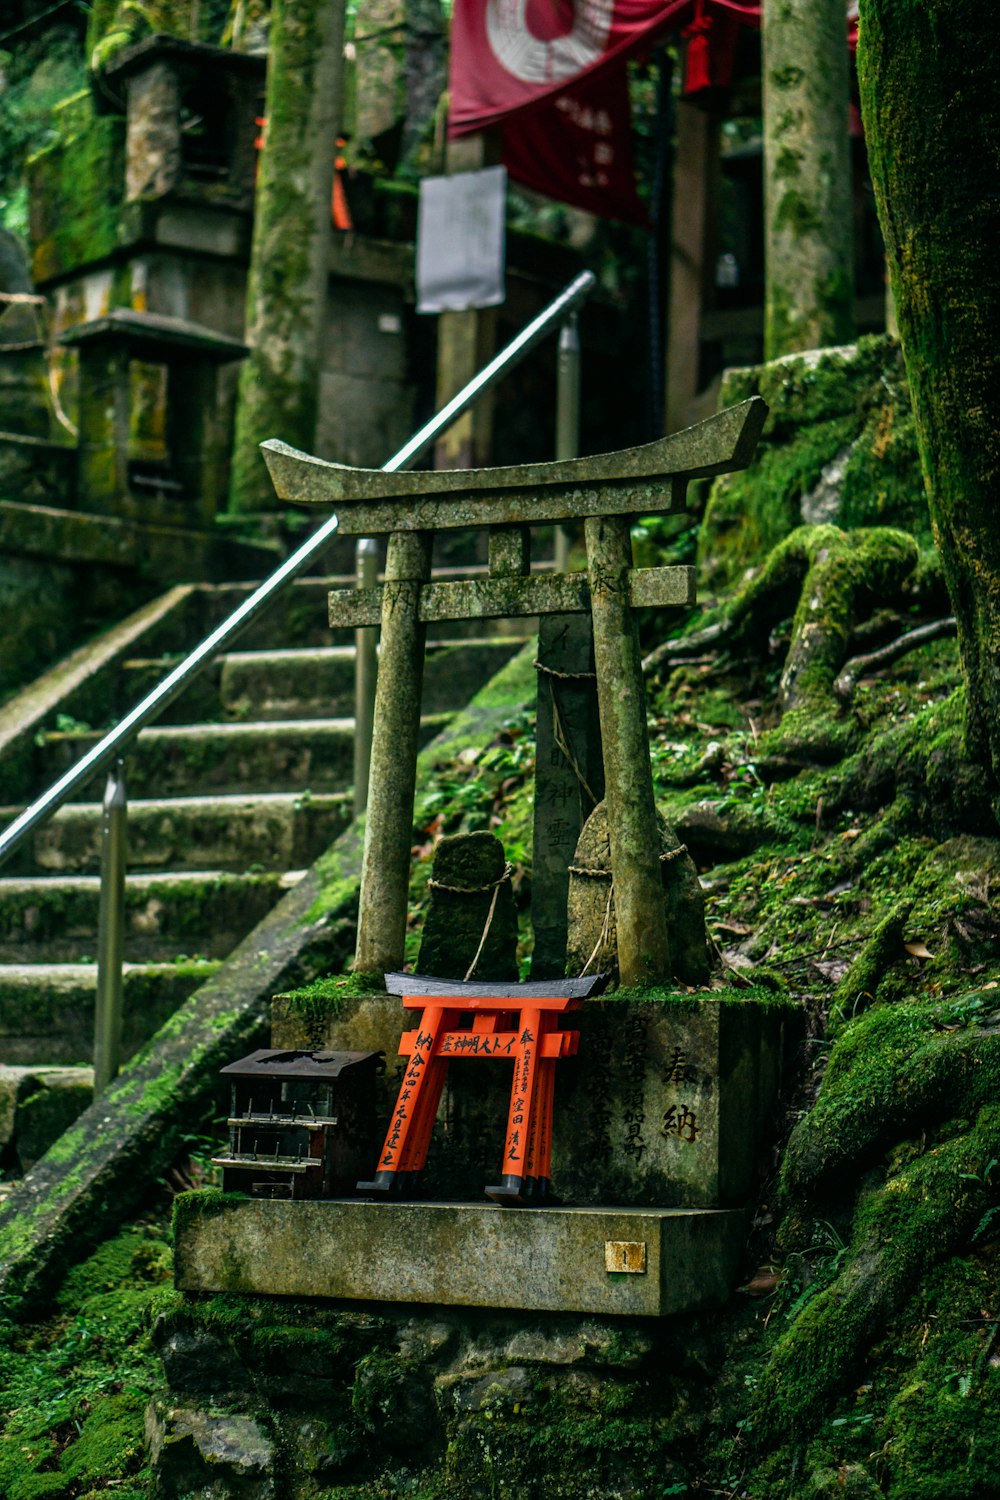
{"points": [[533, 60]]}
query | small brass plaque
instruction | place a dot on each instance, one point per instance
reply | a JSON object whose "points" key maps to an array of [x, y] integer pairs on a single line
{"points": [[625, 1255]]}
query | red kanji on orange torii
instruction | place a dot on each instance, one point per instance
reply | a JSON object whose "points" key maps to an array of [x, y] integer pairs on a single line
{"points": [[526, 1035]]}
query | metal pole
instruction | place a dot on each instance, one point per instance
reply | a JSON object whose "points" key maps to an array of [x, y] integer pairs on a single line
{"points": [[515, 351], [365, 670], [567, 415], [111, 930], [118, 739]]}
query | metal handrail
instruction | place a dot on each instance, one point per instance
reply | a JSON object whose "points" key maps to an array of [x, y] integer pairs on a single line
{"points": [[110, 750], [114, 743]]}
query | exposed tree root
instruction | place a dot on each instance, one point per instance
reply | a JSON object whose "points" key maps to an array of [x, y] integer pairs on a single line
{"points": [[857, 989], [923, 1215], [845, 684], [833, 578], [915, 1088], [829, 581], [919, 768]]}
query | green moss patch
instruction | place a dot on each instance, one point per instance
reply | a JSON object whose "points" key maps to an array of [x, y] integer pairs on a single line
{"points": [[844, 417], [75, 1388]]}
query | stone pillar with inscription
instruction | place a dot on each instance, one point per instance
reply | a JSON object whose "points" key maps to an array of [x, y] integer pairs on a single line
{"points": [[569, 777]]}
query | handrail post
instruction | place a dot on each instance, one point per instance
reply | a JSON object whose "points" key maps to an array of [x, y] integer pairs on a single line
{"points": [[567, 415], [111, 930], [365, 670]]}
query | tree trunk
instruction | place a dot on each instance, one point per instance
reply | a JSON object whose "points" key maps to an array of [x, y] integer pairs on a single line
{"points": [[809, 296], [286, 289], [426, 70], [929, 71]]}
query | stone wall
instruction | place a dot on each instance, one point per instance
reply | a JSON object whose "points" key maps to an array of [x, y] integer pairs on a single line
{"points": [[286, 1400]]}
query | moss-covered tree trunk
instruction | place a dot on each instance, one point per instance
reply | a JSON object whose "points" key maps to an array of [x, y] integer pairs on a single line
{"points": [[286, 291], [929, 71], [809, 293]]}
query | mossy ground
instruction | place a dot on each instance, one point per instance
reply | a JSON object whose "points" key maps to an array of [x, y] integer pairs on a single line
{"points": [[861, 1356], [74, 1388]]}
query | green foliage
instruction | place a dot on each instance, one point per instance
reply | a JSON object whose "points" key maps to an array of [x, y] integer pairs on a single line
{"points": [[34, 76], [325, 997], [75, 1388]]}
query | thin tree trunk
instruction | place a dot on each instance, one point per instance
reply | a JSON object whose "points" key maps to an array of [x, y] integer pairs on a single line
{"points": [[809, 295], [286, 289], [929, 74]]}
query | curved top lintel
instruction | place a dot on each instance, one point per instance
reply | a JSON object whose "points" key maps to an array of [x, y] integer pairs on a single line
{"points": [[718, 445]]}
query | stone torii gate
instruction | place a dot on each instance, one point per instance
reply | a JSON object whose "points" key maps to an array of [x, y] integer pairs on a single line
{"points": [[605, 491]]}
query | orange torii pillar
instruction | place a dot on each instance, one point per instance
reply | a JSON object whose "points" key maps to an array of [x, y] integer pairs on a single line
{"points": [[529, 1037]]}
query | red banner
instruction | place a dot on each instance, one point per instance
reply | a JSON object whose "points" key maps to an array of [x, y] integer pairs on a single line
{"points": [[509, 55], [578, 148], [551, 72]]}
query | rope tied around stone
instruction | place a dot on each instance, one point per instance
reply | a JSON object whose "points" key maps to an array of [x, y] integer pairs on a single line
{"points": [[472, 890], [559, 735], [540, 666], [605, 932], [598, 874]]}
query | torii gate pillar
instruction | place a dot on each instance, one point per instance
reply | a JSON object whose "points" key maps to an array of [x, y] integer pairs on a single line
{"points": [[604, 491]]}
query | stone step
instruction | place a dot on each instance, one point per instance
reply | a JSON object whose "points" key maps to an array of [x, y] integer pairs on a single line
{"points": [[267, 831], [79, 1195], [311, 683], [280, 684], [203, 912], [296, 755], [47, 1010]]}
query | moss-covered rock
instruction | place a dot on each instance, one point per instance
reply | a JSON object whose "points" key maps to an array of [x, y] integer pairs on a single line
{"points": [[470, 926], [76, 186], [838, 448]]}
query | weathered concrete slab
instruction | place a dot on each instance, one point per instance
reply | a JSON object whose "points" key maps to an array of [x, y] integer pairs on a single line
{"points": [[279, 684], [665, 1105], [69, 687], [165, 914], [266, 831], [95, 1174], [314, 754], [631, 1262], [162, 551]]}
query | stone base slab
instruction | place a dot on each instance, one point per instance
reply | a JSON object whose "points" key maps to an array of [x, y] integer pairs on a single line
{"points": [[466, 1254]]}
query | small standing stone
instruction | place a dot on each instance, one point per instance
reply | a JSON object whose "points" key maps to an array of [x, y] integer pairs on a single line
{"points": [[470, 894], [592, 937]]}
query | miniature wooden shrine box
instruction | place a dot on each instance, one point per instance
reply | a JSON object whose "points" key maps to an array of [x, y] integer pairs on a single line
{"points": [[301, 1124]]}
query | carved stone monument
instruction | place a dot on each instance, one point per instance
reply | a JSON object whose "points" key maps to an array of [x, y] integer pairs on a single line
{"points": [[605, 492], [649, 1147]]}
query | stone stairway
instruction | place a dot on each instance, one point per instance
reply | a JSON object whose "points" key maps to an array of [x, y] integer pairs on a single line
{"points": [[233, 794]]}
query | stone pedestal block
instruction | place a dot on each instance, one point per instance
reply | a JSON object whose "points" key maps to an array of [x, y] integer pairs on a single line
{"points": [[666, 1104], [630, 1262]]}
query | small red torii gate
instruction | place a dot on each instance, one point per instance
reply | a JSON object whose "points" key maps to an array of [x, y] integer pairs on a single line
{"points": [[515, 1023]]}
